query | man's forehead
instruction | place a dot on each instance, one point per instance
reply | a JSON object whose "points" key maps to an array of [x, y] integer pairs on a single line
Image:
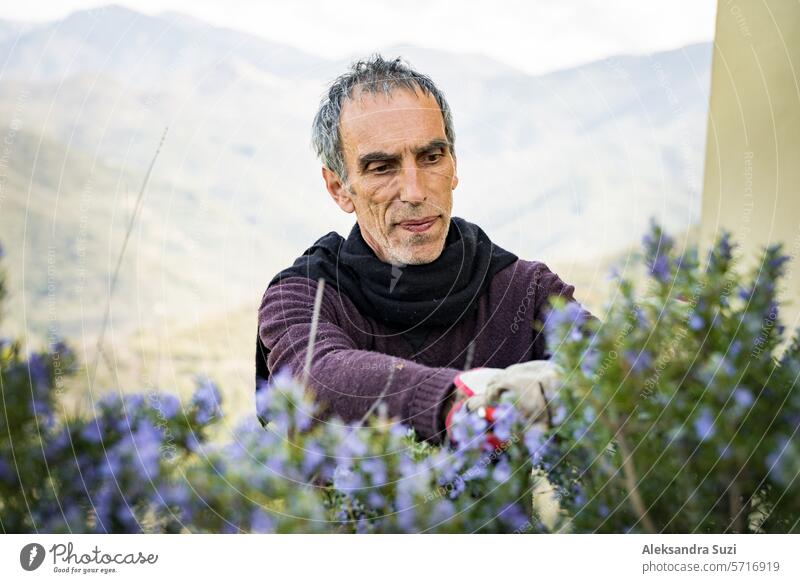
{"points": [[390, 122]]}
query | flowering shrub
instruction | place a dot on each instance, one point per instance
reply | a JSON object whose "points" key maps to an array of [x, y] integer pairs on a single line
{"points": [[676, 414]]}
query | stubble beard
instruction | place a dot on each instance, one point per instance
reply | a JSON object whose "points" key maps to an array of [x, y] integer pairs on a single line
{"points": [[400, 257], [406, 255]]}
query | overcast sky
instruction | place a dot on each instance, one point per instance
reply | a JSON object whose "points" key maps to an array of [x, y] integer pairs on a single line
{"points": [[535, 36]]}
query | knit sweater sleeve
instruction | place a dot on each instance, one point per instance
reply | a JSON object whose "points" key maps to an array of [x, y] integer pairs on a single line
{"points": [[349, 380]]}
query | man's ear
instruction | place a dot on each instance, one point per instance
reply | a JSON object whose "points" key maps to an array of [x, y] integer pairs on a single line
{"points": [[454, 182], [338, 192]]}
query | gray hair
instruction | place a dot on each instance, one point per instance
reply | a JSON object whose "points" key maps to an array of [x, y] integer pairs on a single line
{"points": [[372, 75]]}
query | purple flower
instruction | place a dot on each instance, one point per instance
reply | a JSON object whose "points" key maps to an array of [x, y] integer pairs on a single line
{"points": [[146, 442], [559, 415], [725, 364], [351, 446], [745, 293], [282, 377], [275, 463], [579, 432], [589, 361], [375, 469], [724, 248], [443, 510], [133, 403], [206, 401], [447, 465], [193, 444], [467, 430], [641, 318], [406, 514], [112, 465], [91, 432], [261, 521], [514, 516], [263, 402], [375, 500], [459, 426], [345, 479], [41, 408], [571, 314], [457, 486], [313, 456], [776, 259], [639, 361], [704, 425], [743, 397], [173, 496], [302, 418], [502, 471], [124, 514], [56, 445], [504, 418], [657, 246], [537, 448], [166, 404], [40, 379], [476, 471], [362, 526], [660, 268], [696, 322]]}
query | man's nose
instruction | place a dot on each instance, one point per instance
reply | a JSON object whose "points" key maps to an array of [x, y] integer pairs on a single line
{"points": [[412, 189]]}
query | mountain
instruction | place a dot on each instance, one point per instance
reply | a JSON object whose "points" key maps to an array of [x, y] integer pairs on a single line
{"points": [[557, 167], [118, 41]]}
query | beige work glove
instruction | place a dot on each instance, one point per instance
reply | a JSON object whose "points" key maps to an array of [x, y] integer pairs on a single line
{"points": [[532, 385]]}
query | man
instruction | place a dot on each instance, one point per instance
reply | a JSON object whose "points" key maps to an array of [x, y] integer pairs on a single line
{"points": [[413, 296]]}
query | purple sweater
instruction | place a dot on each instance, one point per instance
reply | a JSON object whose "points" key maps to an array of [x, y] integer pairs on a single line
{"points": [[356, 356]]}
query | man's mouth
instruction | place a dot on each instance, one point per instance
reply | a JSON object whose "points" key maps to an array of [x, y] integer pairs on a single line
{"points": [[419, 225]]}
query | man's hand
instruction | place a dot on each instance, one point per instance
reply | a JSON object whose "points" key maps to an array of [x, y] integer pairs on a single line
{"points": [[533, 386]]}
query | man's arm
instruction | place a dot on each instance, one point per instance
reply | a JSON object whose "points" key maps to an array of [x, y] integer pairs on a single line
{"points": [[347, 379]]}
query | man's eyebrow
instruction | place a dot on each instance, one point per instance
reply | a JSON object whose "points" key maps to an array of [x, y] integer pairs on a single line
{"points": [[379, 156], [432, 145]]}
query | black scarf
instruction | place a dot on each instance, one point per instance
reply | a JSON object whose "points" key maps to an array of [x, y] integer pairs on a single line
{"points": [[442, 292]]}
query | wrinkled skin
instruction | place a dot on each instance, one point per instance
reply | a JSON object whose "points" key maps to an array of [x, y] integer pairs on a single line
{"points": [[399, 168]]}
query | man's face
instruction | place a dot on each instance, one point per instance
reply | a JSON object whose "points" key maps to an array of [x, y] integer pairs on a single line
{"points": [[401, 174]]}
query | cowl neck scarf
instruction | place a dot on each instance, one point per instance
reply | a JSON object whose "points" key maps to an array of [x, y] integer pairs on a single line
{"points": [[406, 296]]}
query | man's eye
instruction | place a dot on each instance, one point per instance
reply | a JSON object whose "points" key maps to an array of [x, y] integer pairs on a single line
{"points": [[380, 169], [434, 157]]}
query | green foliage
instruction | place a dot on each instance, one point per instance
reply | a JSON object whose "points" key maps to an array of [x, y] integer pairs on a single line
{"points": [[684, 418]]}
